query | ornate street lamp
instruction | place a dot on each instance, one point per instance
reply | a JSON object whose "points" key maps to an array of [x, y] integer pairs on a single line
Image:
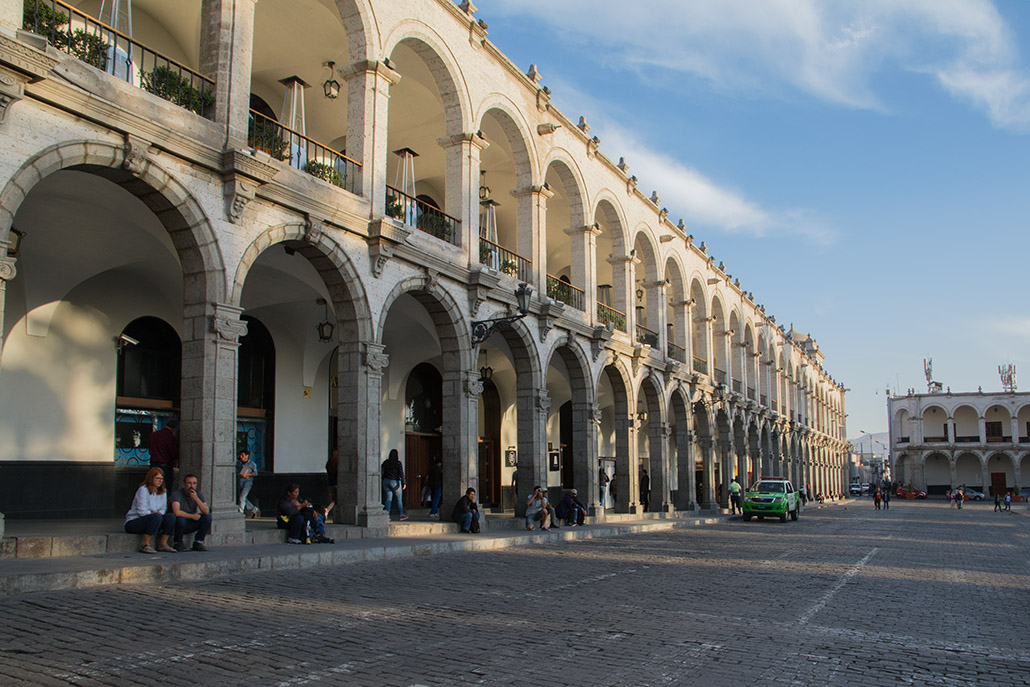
{"points": [[481, 329]]}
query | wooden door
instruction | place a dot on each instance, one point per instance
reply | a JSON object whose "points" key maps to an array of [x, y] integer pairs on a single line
{"points": [[998, 483], [489, 473], [419, 450]]}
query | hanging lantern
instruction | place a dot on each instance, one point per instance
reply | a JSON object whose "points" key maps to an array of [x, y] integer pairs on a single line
{"points": [[331, 86], [325, 328]]}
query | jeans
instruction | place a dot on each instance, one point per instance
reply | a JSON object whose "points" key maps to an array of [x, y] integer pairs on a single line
{"points": [[435, 507], [245, 486], [531, 520], [467, 518], [185, 526], [392, 490], [151, 524]]}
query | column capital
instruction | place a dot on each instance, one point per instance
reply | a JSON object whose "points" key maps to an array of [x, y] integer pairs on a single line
{"points": [[543, 191], [474, 139], [542, 398], [373, 357], [592, 229], [377, 68], [226, 323], [623, 259], [7, 268], [473, 384]]}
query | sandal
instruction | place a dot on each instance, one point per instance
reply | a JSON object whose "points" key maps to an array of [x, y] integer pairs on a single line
{"points": [[146, 548], [166, 549]]}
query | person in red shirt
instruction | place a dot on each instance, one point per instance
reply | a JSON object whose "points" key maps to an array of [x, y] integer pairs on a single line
{"points": [[163, 446]]}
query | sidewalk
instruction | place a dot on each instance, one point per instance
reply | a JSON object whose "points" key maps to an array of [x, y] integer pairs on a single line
{"points": [[25, 575]]}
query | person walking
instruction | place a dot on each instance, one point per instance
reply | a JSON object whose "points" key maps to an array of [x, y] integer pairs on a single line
{"points": [[886, 499], [163, 447], [735, 505], [997, 502], [393, 484], [645, 490], [602, 481], [1008, 502], [876, 498]]}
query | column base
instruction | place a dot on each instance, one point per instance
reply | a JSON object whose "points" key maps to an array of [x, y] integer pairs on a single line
{"points": [[377, 519], [228, 527]]}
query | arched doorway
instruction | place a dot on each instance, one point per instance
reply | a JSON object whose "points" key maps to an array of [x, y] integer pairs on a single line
{"points": [[423, 428], [490, 466], [255, 394]]}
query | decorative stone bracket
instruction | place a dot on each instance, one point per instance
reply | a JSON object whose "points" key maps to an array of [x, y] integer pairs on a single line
{"points": [[20, 64], [383, 235], [549, 313], [226, 323], [481, 281], [641, 352], [7, 269], [242, 174], [599, 338]]}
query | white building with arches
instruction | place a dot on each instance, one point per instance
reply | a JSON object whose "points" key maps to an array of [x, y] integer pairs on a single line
{"points": [[304, 277], [945, 440]]}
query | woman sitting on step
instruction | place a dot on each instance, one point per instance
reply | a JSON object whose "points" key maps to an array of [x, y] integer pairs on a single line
{"points": [[149, 513]]}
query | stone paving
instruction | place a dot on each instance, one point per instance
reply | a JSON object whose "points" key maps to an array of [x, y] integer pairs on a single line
{"points": [[921, 594]]}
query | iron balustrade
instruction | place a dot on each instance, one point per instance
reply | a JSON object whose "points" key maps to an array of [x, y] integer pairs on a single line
{"points": [[109, 50], [422, 216], [763, 400], [737, 386], [677, 352], [606, 314], [700, 365], [720, 376], [775, 405], [303, 153], [936, 440], [646, 336], [969, 439], [504, 260], [751, 392], [565, 292]]}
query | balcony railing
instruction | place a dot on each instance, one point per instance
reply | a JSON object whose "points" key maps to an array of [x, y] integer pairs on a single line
{"points": [[422, 216], [97, 44], [967, 439], [646, 336], [677, 352], [764, 400], [904, 440], [606, 314], [504, 260], [565, 292], [751, 392], [700, 365], [720, 376], [936, 440], [775, 406], [737, 386], [303, 153]]}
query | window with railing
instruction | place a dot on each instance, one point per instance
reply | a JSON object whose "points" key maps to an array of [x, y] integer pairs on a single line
{"points": [[303, 153], [751, 392], [737, 386], [422, 215], [565, 292], [764, 400], [775, 406], [504, 260], [646, 336], [609, 315], [677, 352], [700, 365], [95, 43], [720, 376]]}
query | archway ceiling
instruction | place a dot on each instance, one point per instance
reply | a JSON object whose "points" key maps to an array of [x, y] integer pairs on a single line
{"points": [[499, 164], [410, 338]]}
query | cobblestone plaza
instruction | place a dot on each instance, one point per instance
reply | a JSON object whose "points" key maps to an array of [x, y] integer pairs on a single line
{"points": [[920, 594]]}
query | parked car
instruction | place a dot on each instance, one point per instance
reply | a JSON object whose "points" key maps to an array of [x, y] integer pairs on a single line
{"points": [[974, 495], [855, 489], [771, 496], [902, 493]]}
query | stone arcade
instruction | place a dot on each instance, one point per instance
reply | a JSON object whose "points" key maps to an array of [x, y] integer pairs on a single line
{"points": [[297, 278]]}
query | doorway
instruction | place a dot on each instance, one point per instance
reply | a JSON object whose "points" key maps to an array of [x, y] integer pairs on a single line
{"points": [[490, 446]]}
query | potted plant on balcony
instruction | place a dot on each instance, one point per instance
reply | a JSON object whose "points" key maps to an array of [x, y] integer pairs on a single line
{"points": [[267, 137], [394, 208], [324, 172], [173, 87], [435, 224], [510, 267]]}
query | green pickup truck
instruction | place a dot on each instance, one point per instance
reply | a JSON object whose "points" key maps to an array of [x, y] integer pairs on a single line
{"points": [[772, 496]]}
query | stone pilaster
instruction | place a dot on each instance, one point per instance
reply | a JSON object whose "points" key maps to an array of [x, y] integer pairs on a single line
{"points": [[461, 390], [593, 498], [462, 153], [368, 111], [656, 307], [10, 16], [658, 440], [686, 480], [624, 289], [707, 448], [7, 273], [627, 485], [584, 457], [207, 437], [531, 210], [226, 53], [533, 405], [361, 366]]}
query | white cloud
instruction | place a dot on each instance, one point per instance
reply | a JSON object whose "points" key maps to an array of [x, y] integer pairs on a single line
{"points": [[829, 50]]}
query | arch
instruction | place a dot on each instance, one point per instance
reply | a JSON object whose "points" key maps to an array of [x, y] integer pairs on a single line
{"points": [[572, 180], [516, 130], [642, 238], [607, 205], [170, 201], [443, 310], [443, 66], [361, 27]]}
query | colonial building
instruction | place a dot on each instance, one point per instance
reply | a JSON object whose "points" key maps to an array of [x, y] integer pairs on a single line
{"points": [[281, 222], [943, 440]]}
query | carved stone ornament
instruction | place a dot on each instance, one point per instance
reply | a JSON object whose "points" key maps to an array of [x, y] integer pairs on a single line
{"points": [[135, 154], [543, 399], [595, 415], [237, 194], [313, 229], [473, 385], [374, 358], [12, 89], [430, 281], [7, 269], [228, 327]]}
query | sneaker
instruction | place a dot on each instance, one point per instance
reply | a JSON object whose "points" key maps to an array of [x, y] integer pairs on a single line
{"points": [[199, 546], [404, 517], [544, 529], [180, 546], [291, 540], [254, 513], [435, 515]]}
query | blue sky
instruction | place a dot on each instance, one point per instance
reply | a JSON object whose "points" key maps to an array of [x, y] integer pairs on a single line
{"points": [[862, 167]]}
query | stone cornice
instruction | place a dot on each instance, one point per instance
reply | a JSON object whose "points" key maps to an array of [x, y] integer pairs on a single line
{"points": [[34, 63]]}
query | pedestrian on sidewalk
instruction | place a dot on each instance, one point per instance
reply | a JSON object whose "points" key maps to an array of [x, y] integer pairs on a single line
{"points": [[192, 514], [393, 484], [163, 447], [887, 499], [645, 490], [997, 502], [246, 471], [149, 514], [602, 480], [876, 498], [735, 505], [1008, 502]]}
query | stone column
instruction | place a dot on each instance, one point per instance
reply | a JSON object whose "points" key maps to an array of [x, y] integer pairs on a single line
{"points": [[707, 448], [361, 366], [985, 476], [983, 431], [461, 390], [10, 16], [584, 458], [584, 264], [207, 437], [726, 454], [686, 493], [950, 438], [624, 289], [627, 486], [7, 272], [368, 111], [531, 210], [953, 466], [462, 152], [226, 55], [683, 321], [658, 467], [656, 315], [1014, 420], [532, 437]]}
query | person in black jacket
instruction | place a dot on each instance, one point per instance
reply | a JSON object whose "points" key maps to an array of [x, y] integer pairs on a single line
{"points": [[393, 483], [466, 512], [435, 484], [570, 509]]}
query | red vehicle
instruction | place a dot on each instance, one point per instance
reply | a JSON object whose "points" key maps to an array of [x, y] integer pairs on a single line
{"points": [[903, 493]]}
